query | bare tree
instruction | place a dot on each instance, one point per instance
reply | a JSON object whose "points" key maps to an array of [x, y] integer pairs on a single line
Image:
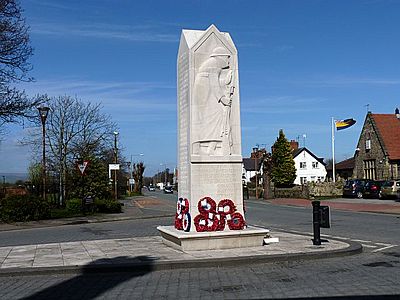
{"points": [[138, 170], [75, 131], [15, 50]]}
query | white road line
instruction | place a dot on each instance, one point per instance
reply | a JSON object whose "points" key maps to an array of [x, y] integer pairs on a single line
{"points": [[383, 244], [384, 248], [369, 246], [362, 241]]}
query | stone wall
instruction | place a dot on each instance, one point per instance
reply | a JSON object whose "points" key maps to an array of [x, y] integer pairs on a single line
{"points": [[298, 191], [311, 190], [325, 189]]}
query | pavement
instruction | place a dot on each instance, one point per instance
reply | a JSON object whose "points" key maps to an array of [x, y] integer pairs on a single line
{"points": [[144, 253]]}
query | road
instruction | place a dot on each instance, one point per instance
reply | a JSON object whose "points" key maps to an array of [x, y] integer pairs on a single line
{"points": [[375, 272]]}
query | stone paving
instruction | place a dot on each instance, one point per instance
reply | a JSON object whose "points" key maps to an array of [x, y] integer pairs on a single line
{"points": [[142, 249]]}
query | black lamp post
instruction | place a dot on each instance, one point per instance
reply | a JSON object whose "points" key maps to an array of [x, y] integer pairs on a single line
{"points": [[255, 152], [116, 161], [43, 112]]}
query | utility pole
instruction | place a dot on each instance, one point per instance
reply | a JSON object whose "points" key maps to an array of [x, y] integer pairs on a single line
{"points": [[255, 152]]}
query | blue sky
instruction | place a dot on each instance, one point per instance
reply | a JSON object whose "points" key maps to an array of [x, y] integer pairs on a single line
{"points": [[300, 63]]}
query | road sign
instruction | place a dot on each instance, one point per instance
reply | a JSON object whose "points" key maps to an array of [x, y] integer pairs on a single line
{"points": [[82, 167], [113, 166]]}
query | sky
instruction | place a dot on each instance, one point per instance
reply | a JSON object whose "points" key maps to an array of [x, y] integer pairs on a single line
{"points": [[301, 63]]}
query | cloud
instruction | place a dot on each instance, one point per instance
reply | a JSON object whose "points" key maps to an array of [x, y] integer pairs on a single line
{"points": [[138, 33], [283, 105], [346, 82], [133, 101]]}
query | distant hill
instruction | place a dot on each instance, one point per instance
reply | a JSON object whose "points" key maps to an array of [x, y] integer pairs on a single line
{"points": [[13, 177]]}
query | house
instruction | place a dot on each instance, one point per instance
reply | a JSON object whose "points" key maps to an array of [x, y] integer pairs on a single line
{"points": [[252, 165], [308, 166], [378, 150], [343, 169]]}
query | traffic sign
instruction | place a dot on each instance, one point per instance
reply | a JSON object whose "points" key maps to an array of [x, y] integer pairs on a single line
{"points": [[82, 167]]}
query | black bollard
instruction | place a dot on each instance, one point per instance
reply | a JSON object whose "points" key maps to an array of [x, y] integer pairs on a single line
{"points": [[316, 223]]}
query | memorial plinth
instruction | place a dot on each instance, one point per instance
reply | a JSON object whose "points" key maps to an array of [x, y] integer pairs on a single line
{"points": [[187, 241]]}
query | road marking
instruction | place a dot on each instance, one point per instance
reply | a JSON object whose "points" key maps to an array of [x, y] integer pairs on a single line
{"points": [[368, 246], [383, 244], [362, 241], [384, 248]]}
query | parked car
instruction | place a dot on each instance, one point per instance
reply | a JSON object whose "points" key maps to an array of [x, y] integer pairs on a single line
{"points": [[151, 188], [354, 188], [372, 188], [390, 189], [168, 190]]}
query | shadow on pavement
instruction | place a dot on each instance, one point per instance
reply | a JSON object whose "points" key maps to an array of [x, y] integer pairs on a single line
{"points": [[97, 278]]}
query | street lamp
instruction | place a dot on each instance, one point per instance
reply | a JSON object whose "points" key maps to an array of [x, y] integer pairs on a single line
{"points": [[255, 152], [115, 161], [43, 112]]}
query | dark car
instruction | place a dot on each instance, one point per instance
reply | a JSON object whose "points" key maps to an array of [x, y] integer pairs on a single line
{"points": [[372, 188], [354, 188], [168, 190]]}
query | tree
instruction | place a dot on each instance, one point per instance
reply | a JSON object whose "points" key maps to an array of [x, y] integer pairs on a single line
{"points": [[283, 167], [94, 182], [267, 168], [138, 170], [15, 50], [75, 131]]}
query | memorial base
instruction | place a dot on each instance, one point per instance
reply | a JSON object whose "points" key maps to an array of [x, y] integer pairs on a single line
{"points": [[192, 241]]}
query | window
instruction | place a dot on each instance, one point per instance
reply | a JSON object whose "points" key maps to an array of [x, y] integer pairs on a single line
{"points": [[369, 169], [368, 145], [321, 178], [315, 165], [303, 180], [303, 165], [313, 178]]}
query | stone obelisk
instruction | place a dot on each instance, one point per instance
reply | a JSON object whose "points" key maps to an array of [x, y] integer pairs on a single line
{"points": [[209, 144]]}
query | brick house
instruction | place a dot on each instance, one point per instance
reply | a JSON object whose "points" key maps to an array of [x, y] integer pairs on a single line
{"points": [[378, 150]]}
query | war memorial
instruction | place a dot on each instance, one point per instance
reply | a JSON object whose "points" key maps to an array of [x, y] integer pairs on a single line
{"points": [[210, 212]]}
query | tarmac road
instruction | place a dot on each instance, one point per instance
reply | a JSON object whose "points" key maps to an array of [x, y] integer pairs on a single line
{"points": [[374, 273]]}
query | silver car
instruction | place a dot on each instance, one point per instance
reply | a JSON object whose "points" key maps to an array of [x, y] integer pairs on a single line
{"points": [[390, 189]]}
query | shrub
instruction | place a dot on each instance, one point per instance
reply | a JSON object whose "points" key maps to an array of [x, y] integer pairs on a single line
{"points": [[107, 206], [74, 206], [23, 208]]}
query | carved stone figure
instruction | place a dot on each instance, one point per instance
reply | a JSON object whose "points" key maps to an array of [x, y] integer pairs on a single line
{"points": [[212, 96]]}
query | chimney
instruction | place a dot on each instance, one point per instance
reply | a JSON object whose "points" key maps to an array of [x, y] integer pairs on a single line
{"points": [[396, 112], [294, 145]]}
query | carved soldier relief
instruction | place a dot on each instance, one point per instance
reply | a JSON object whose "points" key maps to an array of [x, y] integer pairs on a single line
{"points": [[213, 99]]}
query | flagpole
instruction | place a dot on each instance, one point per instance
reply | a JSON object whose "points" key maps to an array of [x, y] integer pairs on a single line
{"points": [[333, 150]]}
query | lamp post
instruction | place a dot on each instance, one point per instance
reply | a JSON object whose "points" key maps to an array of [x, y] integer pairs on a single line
{"points": [[115, 161], [130, 176], [255, 152], [43, 112]]}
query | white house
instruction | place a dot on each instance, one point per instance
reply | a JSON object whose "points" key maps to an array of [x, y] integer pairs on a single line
{"points": [[308, 166], [249, 167]]}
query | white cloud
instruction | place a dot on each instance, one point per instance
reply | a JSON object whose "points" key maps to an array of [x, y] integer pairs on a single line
{"points": [[138, 33], [283, 104], [345, 82]]}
